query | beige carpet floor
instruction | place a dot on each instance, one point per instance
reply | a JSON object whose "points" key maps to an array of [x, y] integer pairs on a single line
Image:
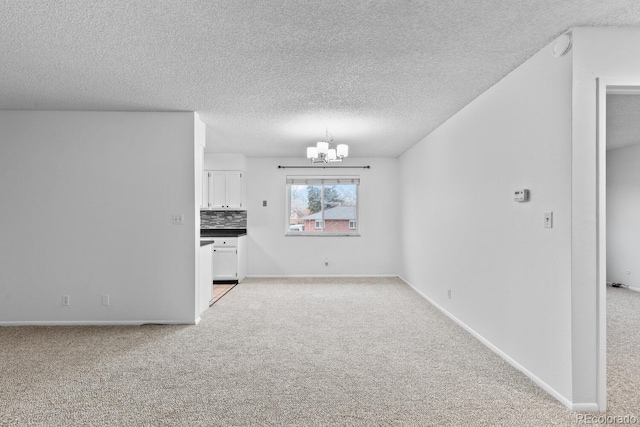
{"points": [[351, 352]]}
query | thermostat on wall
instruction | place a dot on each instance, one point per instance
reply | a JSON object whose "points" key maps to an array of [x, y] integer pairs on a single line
{"points": [[521, 195]]}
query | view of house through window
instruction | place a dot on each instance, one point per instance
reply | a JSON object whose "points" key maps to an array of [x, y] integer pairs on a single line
{"points": [[322, 205]]}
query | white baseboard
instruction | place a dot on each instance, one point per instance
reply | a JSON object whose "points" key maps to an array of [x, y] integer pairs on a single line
{"points": [[589, 407], [584, 407], [316, 276], [631, 288], [95, 322]]}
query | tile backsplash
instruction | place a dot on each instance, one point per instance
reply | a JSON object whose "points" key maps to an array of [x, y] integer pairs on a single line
{"points": [[223, 219]]}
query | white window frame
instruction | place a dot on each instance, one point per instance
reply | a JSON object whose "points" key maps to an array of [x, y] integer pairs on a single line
{"points": [[319, 224], [353, 221], [322, 180]]}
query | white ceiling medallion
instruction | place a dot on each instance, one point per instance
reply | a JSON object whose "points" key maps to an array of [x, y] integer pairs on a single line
{"points": [[562, 45], [322, 153]]}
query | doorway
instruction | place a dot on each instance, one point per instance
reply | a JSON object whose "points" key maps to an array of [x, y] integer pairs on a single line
{"points": [[617, 102]]}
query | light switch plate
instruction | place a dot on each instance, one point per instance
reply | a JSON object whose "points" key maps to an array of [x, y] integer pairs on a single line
{"points": [[548, 220]]}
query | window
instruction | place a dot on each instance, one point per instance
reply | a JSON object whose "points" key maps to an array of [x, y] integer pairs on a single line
{"points": [[322, 206]]}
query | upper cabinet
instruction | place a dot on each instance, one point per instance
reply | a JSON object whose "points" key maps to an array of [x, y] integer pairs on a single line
{"points": [[234, 190], [222, 190]]}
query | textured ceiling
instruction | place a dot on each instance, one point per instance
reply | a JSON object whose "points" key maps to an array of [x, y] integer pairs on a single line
{"points": [[270, 77]]}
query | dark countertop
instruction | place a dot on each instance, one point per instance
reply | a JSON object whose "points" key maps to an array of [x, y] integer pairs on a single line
{"points": [[219, 232]]}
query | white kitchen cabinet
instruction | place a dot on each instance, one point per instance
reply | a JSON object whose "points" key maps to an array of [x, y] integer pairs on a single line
{"points": [[204, 193], [229, 259], [218, 190], [222, 190], [234, 190], [242, 257], [200, 168], [225, 264]]}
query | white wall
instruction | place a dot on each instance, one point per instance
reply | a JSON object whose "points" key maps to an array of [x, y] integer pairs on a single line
{"points": [[203, 288], [623, 222], [510, 277], [271, 253], [604, 53], [86, 205], [225, 162]]}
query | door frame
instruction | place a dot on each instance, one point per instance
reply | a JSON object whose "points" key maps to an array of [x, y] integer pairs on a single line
{"points": [[604, 87]]}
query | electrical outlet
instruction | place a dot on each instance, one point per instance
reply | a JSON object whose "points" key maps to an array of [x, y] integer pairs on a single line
{"points": [[105, 299], [264, 203], [449, 293], [326, 262], [521, 195], [178, 219], [66, 300]]}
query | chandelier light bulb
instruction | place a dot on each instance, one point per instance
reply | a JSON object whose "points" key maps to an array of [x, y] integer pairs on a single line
{"points": [[323, 147], [332, 154], [312, 152], [343, 150]]}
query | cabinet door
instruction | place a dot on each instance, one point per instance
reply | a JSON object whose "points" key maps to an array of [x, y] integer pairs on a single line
{"points": [[200, 186], [234, 190], [242, 257], [204, 197], [218, 190], [225, 264]]}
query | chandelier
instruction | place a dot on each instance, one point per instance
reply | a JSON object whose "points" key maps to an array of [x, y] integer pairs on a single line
{"points": [[321, 153]]}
